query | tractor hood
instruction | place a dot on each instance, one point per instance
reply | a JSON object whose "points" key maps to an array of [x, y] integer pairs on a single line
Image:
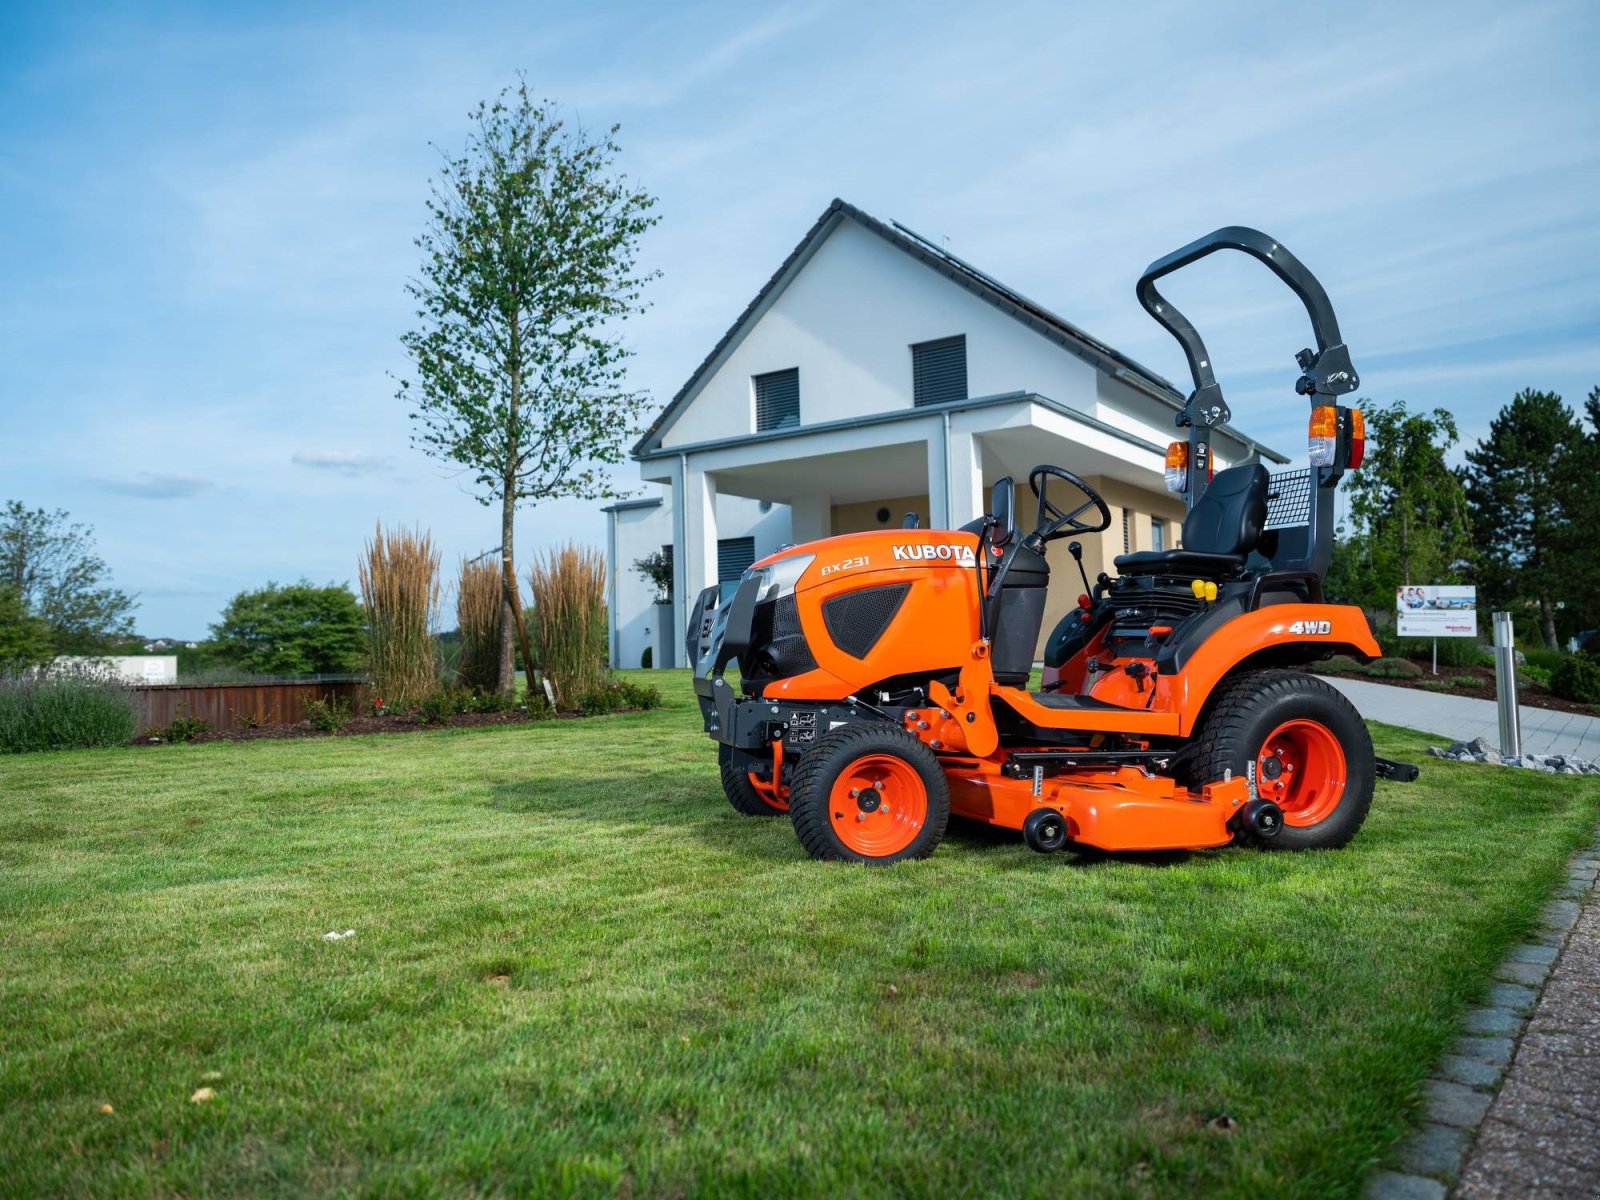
{"points": [[798, 568]]}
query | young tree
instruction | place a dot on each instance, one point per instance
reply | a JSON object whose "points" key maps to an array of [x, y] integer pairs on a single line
{"points": [[24, 639], [529, 268], [299, 629], [1523, 481], [1408, 520], [51, 564]]}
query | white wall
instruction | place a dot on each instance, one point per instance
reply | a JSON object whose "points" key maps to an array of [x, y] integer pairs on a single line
{"points": [[132, 668], [848, 320]]}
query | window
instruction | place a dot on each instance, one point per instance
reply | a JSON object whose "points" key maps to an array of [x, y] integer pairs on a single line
{"points": [[1127, 530], [734, 556], [939, 370], [778, 400], [1158, 534]]}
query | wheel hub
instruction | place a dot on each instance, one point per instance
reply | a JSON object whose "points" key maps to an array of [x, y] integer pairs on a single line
{"points": [[868, 799]]}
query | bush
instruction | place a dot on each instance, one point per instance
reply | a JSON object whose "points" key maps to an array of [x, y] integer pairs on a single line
{"points": [[329, 715], [648, 658], [1453, 651], [1533, 674], [479, 603], [1392, 668], [568, 622], [1544, 660], [616, 695], [64, 712], [400, 590], [438, 708], [183, 728], [1577, 677], [1336, 664]]}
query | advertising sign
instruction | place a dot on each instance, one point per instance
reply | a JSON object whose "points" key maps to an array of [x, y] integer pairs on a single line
{"points": [[1436, 611]]}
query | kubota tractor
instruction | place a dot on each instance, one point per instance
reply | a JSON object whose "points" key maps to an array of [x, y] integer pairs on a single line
{"points": [[883, 676]]}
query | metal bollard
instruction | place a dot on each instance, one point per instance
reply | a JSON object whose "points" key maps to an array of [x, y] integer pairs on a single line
{"points": [[1505, 685]]}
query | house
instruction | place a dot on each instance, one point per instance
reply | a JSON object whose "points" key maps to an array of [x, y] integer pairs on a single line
{"points": [[874, 375]]}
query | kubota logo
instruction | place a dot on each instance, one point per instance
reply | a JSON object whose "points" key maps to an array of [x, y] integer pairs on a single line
{"points": [[924, 552]]}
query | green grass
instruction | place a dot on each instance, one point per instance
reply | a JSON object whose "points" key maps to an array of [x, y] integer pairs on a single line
{"points": [[692, 1007]]}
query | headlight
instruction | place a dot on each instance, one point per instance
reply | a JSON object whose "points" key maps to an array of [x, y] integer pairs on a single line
{"points": [[779, 578]]}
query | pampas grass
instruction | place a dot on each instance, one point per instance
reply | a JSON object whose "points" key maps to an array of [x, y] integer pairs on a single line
{"points": [[567, 624], [400, 592], [479, 602]]}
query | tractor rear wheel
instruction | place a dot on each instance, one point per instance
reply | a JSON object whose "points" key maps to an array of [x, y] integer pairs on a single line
{"points": [[1301, 745], [741, 793], [869, 794]]}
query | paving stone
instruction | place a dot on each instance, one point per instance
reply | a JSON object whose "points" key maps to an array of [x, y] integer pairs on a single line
{"points": [[1452, 1104], [1532, 974], [1473, 1072], [1532, 954], [1514, 996], [1560, 914], [1390, 1185], [1435, 1151], [1492, 1020], [1494, 1050]]}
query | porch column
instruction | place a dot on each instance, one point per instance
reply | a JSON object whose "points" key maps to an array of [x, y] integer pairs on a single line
{"points": [[695, 497], [810, 518], [965, 500]]}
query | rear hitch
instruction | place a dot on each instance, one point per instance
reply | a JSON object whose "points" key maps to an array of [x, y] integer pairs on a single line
{"points": [[1397, 772]]}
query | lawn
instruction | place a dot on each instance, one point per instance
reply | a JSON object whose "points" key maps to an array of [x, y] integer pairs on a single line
{"points": [[576, 971]]}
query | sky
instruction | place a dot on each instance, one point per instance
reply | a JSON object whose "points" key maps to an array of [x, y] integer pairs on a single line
{"points": [[207, 217]]}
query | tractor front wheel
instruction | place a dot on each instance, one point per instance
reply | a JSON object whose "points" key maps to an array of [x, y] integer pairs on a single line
{"points": [[743, 794], [869, 794], [1301, 745]]}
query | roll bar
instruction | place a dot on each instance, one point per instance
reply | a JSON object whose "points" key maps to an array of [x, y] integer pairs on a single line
{"points": [[1325, 372]]}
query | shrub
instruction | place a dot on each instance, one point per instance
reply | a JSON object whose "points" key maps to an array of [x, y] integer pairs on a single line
{"points": [[64, 712], [400, 590], [568, 621], [1336, 664], [616, 695], [1392, 668], [438, 708], [329, 715], [479, 604], [183, 728], [647, 659], [1535, 674], [637, 695], [490, 701], [1544, 660], [1577, 677]]}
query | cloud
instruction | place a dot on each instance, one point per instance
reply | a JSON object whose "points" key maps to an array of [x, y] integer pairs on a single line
{"points": [[149, 486], [350, 463]]}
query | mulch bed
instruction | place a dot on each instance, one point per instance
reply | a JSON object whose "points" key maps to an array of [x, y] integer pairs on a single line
{"points": [[1478, 683], [359, 726]]}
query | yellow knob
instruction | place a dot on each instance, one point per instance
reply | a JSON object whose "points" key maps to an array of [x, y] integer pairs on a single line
{"points": [[1198, 587], [1211, 591]]}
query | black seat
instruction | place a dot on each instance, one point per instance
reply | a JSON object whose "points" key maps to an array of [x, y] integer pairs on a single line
{"points": [[1218, 533]]}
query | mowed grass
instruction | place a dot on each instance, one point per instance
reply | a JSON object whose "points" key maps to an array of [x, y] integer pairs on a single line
{"points": [[576, 971]]}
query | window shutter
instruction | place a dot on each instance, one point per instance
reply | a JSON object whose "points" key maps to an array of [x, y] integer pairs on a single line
{"points": [[778, 400], [734, 556], [939, 371], [1127, 530]]}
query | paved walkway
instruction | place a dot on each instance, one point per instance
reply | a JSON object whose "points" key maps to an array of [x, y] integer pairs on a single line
{"points": [[1461, 718]]}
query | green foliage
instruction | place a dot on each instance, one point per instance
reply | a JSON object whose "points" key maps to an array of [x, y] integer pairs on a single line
{"points": [[25, 640], [1453, 651], [1577, 677], [1392, 668], [656, 568], [329, 714], [298, 629], [438, 708], [183, 728], [1540, 675], [68, 711], [50, 563], [1336, 664], [617, 695], [1408, 520], [1542, 659], [1524, 484], [647, 659]]}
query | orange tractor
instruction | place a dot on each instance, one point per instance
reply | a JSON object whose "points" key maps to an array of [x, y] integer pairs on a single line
{"points": [[884, 676]]}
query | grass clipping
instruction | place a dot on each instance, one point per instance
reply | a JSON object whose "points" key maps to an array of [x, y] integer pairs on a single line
{"points": [[568, 623], [479, 604], [400, 592]]}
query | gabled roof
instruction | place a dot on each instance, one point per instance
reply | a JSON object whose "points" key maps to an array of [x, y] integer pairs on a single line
{"points": [[1035, 316]]}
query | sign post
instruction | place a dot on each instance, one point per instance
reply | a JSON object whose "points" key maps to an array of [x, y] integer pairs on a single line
{"points": [[1436, 611]]}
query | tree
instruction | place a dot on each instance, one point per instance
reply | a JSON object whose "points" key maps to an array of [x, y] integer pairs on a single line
{"points": [[51, 565], [299, 629], [529, 267], [1574, 541], [1523, 482], [25, 640], [1408, 519], [656, 568]]}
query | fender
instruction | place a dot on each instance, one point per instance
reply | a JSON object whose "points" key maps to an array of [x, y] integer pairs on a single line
{"points": [[1315, 627]]}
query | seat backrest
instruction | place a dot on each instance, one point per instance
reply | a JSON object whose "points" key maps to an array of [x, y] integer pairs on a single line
{"points": [[1230, 516]]}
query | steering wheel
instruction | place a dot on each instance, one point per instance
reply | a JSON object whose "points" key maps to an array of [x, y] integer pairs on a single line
{"points": [[1054, 523]]}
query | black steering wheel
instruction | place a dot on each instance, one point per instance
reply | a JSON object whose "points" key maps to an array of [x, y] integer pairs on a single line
{"points": [[1054, 523]]}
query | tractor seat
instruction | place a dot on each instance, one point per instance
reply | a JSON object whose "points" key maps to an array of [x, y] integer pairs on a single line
{"points": [[1218, 533]]}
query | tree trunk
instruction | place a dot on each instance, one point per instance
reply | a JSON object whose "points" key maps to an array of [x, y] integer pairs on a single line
{"points": [[1547, 622], [507, 680], [511, 617]]}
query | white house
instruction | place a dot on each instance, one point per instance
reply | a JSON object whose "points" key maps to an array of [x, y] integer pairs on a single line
{"points": [[874, 375]]}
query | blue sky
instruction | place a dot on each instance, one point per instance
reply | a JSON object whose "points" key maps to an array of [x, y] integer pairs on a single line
{"points": [[207, 213]]}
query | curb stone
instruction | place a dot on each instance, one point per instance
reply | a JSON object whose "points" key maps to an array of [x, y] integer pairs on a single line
{"points": [[1464, 1083]]}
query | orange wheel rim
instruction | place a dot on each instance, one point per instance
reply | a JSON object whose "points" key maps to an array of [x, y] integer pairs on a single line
{"points": [[1301, 768], [878, 805]]}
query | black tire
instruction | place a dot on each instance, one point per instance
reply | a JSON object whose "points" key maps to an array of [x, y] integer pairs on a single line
{"points": [[1248, 708], [736, 786], [812, 802]]}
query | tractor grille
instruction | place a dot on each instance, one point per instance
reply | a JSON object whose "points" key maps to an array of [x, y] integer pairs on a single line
{"points": [[1288, 500], [778, 647], [856, 621]]}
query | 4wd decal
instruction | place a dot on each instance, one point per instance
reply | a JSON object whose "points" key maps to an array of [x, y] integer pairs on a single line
{"points": [[928, 552], [1311, 628]]}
